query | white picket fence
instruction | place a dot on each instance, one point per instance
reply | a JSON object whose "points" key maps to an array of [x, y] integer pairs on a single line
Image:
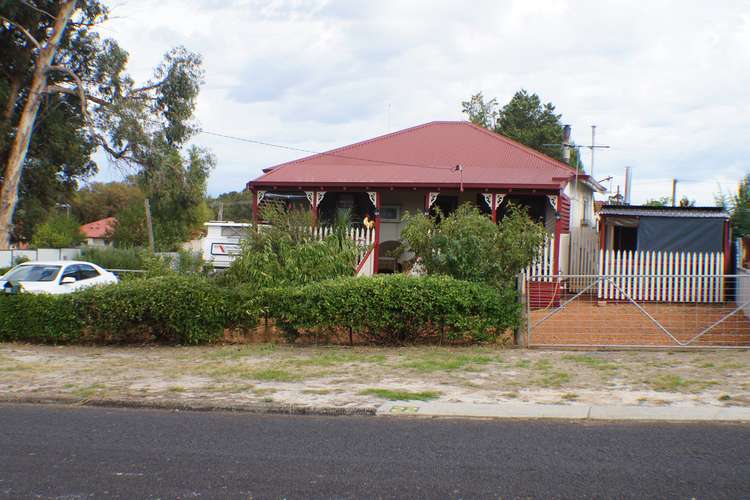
{"points": [[542, 268], [661, 276]]}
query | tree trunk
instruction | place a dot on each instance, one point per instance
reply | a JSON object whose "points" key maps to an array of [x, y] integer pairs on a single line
{"points": [[20, 146], [15, 87]]}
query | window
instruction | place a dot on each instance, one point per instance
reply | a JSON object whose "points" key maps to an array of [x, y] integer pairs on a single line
{"points": [[233, 232], [70, 272], [390, 213], [32, 272], [86, 272], [586, 219], [625, 238]]}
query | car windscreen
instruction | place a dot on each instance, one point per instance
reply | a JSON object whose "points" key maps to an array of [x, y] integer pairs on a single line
{"points": [[32, 272]]}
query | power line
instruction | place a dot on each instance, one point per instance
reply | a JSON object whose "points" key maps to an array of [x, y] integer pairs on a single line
{"points": [[335, 155]]}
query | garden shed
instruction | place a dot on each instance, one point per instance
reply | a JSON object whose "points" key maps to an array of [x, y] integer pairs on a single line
{"points": [[670, 229]]}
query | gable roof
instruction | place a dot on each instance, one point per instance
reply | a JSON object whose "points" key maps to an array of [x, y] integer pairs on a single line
{"points": [[99, 228], [424, 156]]}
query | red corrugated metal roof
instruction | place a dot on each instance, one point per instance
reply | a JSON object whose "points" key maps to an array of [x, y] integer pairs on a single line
{"points": [[425, 155], [99, 228]]}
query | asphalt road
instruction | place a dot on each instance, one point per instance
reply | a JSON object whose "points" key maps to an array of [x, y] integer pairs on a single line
{"points": [[67, 452]]}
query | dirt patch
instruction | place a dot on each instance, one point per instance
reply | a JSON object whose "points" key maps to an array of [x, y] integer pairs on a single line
{"points": [[367, 377]]}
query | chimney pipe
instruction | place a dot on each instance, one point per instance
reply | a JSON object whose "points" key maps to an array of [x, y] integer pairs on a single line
{"points": [[628, 184], [566, 144]]}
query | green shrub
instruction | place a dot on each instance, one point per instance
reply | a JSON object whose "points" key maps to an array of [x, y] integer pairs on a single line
{"points": [[468, 246], [141, 259], [187, 310], [114, 258], [39, 318], [286, 253], [394, 309]]}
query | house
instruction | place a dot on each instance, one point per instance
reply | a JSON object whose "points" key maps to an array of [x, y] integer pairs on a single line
{"points": [[99, 232], [665, 229], [438, 164]]}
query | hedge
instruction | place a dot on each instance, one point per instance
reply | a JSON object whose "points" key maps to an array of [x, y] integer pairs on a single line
{"points": [[186, 310], [192, 310], [394, 308], [39, 318]]}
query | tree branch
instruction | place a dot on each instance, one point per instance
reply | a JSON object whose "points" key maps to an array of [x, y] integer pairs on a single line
{"points": [[146, 88], [41, 11], [24, 31], [117, 155], [66, 90]]}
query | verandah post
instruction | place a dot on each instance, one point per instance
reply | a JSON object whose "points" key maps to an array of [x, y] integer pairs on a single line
{"points": [[255, 209], [376, 246], [314, 205], [558, 230], [494, 208]]}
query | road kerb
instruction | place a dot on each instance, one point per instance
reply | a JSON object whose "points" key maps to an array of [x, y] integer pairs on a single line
{"points": [[566, 412]]}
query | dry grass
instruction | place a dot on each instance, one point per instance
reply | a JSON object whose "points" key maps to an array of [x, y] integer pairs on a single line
{"points": [[343, 376]]}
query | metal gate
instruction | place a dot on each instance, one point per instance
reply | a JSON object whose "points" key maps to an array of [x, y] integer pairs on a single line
{"points": [[701, 310]]}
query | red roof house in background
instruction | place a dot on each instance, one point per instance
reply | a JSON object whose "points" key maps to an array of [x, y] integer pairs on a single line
{"points": [[99, 233], [442, 163]]}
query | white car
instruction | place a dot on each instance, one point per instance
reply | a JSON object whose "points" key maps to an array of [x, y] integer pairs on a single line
{"points": [[55, 277]]}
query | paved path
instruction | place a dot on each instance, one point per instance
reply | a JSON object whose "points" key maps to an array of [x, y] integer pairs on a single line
{"points": [[95, 452]]}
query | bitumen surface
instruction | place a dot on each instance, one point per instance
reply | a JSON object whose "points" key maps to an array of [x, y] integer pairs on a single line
{"points": [[69, 452]]}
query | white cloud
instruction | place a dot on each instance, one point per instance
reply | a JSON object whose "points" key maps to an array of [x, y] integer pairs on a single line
{"points": [[665, 82]]}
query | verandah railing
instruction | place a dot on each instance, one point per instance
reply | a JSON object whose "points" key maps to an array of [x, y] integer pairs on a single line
{"points": [[364, 239]]}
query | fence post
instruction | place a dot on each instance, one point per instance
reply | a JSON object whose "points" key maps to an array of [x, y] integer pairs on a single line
{"points": [[518, 337]]}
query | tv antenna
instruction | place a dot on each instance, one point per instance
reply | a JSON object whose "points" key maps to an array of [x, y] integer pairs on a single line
{"points": [[593, 146]]}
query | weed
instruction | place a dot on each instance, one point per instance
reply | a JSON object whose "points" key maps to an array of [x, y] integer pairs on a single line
{"points": [[667, 382], [340, 356], [554, 379], [274, 375], [176, 389], [725, 397], [395, 395], [591, 361], [569, 396], [523, 363], [446, 362], [543, 364], [88, 391]]}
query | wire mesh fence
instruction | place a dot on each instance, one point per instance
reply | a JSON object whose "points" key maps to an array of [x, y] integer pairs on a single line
{"points": [[572, 311]]}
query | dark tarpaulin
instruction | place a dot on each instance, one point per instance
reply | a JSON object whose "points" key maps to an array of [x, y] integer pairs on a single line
{"points": [[685, 234]]}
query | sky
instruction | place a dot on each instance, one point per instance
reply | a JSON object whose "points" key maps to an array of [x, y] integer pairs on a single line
{"points": [[665, 82]]}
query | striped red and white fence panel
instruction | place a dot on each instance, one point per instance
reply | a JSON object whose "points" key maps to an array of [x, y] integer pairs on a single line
{"points": [[661, 276]]}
